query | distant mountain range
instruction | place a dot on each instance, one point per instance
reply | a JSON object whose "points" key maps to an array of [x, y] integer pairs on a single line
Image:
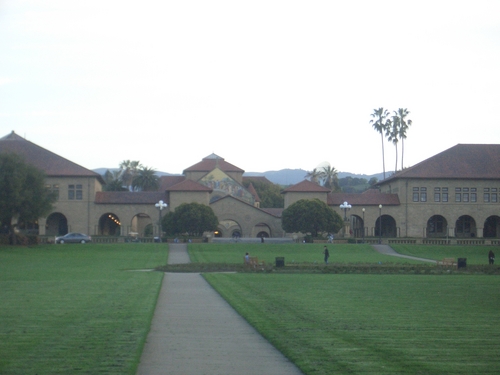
{"points": [[282, 177]]}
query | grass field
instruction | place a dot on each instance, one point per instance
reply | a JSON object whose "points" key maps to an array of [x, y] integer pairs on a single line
{"points": [[75, 309], [293, 253], [473, 254], [373, 324]]}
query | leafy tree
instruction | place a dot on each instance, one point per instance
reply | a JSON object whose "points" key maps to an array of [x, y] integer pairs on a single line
{"points": [[269, 193], [373, 181], [191, 218], [23, 194], [310, 216], [113, 181], [380, 124], [146, 180]]}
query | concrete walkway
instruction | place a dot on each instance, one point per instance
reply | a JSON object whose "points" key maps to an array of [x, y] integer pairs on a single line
{"points": [[387, 250], [195, 331]]}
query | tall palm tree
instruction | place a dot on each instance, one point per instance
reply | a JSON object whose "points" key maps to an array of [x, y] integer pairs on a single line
{"points": [[392, 134], [146, 180], [380, 124], [314, 175], [129, 171], [113, 181], [329, 175], [404, 124]]}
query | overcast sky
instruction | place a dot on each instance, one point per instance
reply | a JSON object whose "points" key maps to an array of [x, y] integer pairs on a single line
{"points": [[266, 85]]}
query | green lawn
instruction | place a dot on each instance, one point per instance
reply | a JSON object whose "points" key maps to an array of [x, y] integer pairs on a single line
{"points": [[76, 309], [293, 253], [473, 254], [373, 324]]}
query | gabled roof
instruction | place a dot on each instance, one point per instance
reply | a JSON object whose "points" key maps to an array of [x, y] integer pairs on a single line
{"points": [[269, 211], [371, 197], [306, 186], [53, 165], [463, 161], [211, 162], [189, 185], [127, 197], [168, 181], [252, 191]]}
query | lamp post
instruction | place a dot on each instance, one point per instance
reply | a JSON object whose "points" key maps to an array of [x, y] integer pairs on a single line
{"points": [[380, 223], [160, 206], [363, 227], [345, 206]]}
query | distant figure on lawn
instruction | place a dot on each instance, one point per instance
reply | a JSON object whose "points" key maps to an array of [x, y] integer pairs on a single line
{"points": [[327, 254], [247, 258], [491, 257]]}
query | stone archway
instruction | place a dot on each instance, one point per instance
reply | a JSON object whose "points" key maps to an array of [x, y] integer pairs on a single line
{"points": [[230, 228], [437, 226], [109, 225], [388, 226], [263, 230], [465, 227], [491, 227], [56, 224], [142, 225]]}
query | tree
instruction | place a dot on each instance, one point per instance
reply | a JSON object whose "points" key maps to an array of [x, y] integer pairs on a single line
{"points": [[314, 175], [146, 180], [404, 124], [23, 194], [393, 136], [380, 124], [129, 170], [329, 175], [192, 218], [311, 216], [113, 181], [269, 193]]}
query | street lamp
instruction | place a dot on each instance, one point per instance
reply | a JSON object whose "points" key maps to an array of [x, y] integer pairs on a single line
{"points": [[380, 223], [160, 206], [345, 206], [363, 228]]}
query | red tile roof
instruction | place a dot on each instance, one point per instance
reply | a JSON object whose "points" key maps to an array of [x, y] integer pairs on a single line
{"points": [[463, 161], [53, 165], [306, 186], [252, 191], [168, 181], [262, 179], [189, 185], [211, 162], [127, 197]]}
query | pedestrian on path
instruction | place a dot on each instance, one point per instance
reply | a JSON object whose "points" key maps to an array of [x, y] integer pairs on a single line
{"points": [[327, 254]]}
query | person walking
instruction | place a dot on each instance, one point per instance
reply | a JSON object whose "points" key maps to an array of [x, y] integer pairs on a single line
{"points": [[327, 254], [491, 257]]}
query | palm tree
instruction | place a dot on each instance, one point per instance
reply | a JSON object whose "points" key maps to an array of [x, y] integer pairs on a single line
{"points": [[404, 124], [330, 178], [314, 175], [380, 124], [113, 181], [146, 180], [392, 134], [129, 171]]}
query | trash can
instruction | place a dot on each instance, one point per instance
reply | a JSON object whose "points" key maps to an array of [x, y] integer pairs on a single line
{"points": [[280, 261], [462, 263], [157, 239]]}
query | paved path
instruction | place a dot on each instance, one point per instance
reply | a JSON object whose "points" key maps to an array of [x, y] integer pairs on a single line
{"points": [[195, 331], [387, 250]]}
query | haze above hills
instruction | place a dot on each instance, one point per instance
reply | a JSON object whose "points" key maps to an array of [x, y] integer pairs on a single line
{"points": [[281, 177]]}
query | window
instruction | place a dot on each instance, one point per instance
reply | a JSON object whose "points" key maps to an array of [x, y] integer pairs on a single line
{"points": [[75, 192], [423, 194], [465, 197], [458, 195], [445, 194], [486, 195], [415, 194], [437, 194]]}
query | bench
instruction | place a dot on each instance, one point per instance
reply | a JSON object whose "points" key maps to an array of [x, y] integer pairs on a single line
{"points": [[254, 262], [447, 262]]}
